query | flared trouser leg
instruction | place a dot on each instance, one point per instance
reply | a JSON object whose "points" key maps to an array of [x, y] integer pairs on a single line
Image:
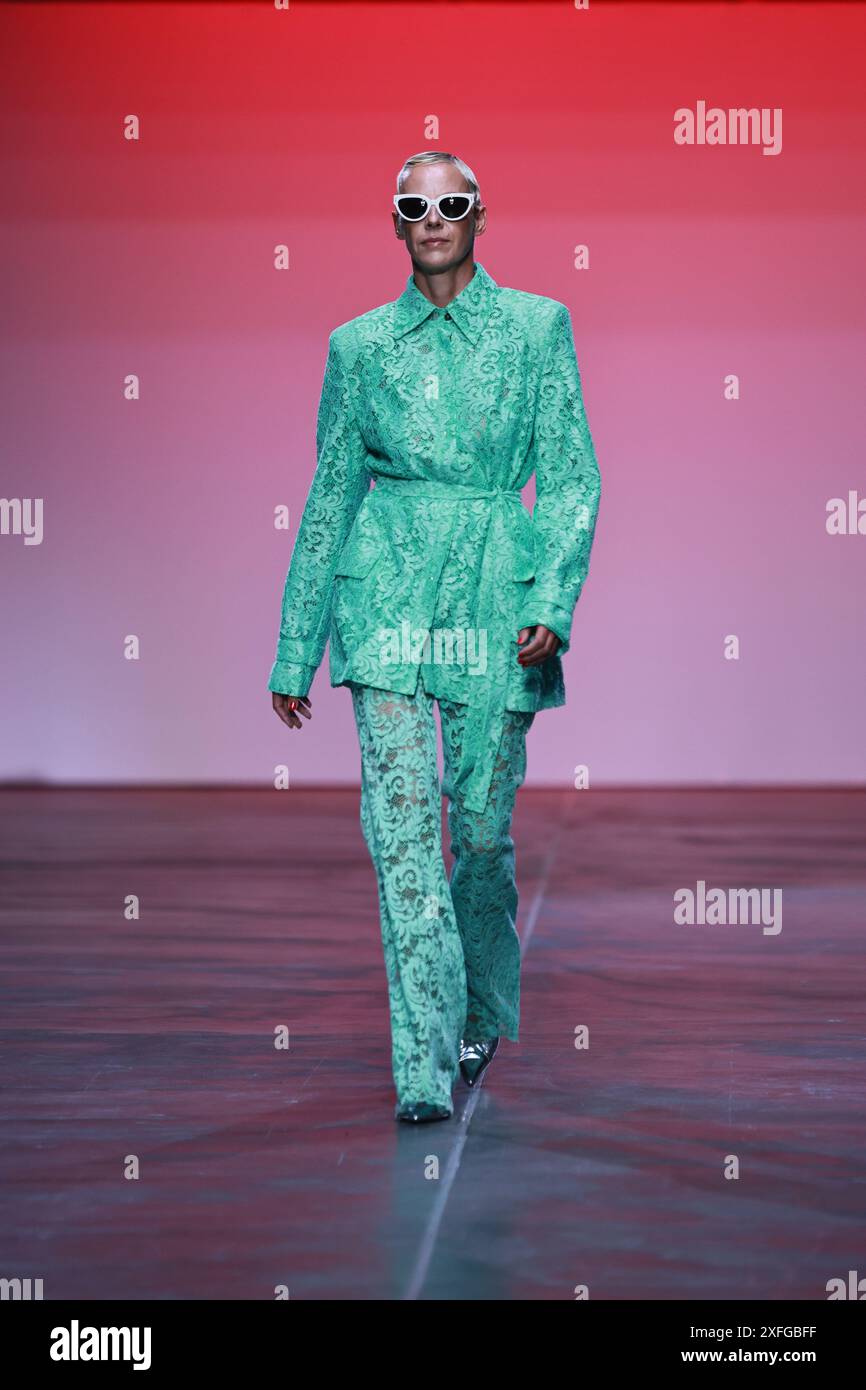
{"points": [[401, 818], [483, 883], [452, 954]]}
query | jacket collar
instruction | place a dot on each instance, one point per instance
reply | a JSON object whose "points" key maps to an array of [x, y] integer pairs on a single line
{"points": [[470, 309]]}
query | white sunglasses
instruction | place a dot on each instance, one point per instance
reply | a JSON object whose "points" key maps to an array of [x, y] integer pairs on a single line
{"points": [[412, 207]]}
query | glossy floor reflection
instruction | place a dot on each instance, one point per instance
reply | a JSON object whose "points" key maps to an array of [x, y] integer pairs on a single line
{"points": [[258, 1167]]}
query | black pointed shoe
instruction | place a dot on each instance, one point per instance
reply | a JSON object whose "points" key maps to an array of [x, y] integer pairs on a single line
{"points": [[475, 1058], [421, 1112]]}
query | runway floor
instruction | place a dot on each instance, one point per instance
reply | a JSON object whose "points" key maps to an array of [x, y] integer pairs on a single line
{"points": [[600, 1167]]}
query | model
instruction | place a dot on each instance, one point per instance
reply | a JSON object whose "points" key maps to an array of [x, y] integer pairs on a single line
{"points": [[437, 587]]}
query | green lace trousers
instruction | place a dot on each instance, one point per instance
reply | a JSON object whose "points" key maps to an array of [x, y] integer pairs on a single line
{"points": [[452, 953]]}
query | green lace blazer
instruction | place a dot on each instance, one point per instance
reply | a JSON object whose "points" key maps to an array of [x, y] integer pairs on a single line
{"points": [[415, 551]]}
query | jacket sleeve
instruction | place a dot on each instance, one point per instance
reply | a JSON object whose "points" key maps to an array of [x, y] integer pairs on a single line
{"points": [[567, 487], [337, 491]]}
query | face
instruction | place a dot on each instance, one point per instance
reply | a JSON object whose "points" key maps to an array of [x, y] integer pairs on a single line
{"points": [[435, 244]]}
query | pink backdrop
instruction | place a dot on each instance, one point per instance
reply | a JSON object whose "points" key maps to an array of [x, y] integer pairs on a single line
{"points": [[261, 127]]}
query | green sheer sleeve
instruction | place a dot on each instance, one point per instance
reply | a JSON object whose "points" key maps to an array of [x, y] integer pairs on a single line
{"points": [[339, 484], [568, 486]]}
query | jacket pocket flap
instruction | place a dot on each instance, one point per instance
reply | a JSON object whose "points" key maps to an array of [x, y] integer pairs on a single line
{"points": [[356, 559]]}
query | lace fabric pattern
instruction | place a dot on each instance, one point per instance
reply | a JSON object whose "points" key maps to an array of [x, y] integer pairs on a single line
{"points": [[471, 399], [452, 953]]}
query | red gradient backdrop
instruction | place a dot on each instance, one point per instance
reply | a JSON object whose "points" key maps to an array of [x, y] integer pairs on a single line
{"points": [[261, 127]]}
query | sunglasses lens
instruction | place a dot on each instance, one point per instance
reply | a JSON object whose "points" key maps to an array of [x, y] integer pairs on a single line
{"points": [[413, 209], [455, 207]]}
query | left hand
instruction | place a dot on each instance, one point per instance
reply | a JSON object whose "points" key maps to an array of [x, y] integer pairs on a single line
{"points": [[544, 644]]}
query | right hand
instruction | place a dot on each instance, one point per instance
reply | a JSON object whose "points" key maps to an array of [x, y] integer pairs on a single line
{"points": [[288, 707]]}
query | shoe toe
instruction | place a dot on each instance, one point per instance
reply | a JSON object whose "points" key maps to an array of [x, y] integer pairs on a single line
{"points": [[422, 1112], [475, 1058]]}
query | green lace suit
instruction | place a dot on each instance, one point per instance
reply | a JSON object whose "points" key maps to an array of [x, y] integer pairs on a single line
{"points": [[422, 583]]}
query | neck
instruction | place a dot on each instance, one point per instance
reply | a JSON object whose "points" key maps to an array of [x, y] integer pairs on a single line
{"points": [[441, 286]]}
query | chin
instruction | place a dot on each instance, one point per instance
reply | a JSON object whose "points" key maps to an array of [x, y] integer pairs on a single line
{"points": [[431, 258]]}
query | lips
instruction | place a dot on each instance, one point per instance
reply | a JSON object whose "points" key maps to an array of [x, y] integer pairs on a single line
{"points": [[435, 241]]}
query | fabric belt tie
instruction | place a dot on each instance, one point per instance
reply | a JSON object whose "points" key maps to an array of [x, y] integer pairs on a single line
{"points": [[486, 715]]}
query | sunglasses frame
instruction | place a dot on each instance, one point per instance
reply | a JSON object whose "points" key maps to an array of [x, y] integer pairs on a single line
{"points": [[434, 203]]}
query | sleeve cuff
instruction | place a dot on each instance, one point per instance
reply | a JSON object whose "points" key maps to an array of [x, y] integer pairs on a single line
{"points": [[291, 678], [551, 616]]}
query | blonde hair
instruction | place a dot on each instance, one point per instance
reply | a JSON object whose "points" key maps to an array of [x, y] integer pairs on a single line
{"points": [[440, 157]]}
